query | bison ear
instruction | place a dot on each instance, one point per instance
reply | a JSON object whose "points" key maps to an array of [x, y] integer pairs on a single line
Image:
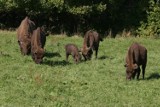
{"points": [[135, 66]]}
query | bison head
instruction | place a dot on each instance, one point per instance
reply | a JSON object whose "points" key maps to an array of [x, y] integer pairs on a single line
{"points": [[25, 46], [77, 58], [44, 30], [87, 52], [38, 55], [130, 71]]}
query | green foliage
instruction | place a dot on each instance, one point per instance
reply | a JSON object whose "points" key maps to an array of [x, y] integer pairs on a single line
{"points": [[7, 5], [80, 10], [152, 26], [78, 16], [95, 83], [51, 4], [85, 8]]}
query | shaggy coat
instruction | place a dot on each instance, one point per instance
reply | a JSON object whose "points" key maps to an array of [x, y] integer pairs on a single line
{"points": [[91, 42], [72, 49], [136, 56], [37, 44], [24, 33]]}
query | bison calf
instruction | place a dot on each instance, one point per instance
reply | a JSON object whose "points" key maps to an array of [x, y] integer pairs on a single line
{"points": [[72, 49], [136, 56]]}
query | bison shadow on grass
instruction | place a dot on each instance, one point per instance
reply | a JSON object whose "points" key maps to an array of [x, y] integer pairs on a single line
{"points": [[56, 63], [52, 54], [103, 57], [153, 76]]}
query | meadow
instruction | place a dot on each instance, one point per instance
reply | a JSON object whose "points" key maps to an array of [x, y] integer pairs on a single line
{"points": [[95, 83]]}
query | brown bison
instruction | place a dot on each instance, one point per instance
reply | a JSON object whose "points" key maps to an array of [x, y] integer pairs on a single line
{"points": [[136, 56], [37, 45], [72, 49], [90, 43], [24, 33]]}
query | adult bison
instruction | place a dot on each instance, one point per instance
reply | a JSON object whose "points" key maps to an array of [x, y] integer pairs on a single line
{"points": [[24, 33], [37, 45], [90, 43], [136, 56]]}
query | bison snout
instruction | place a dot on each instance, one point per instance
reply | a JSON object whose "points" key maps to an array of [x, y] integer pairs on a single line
{"points": [[128, 77], [38, 61]]}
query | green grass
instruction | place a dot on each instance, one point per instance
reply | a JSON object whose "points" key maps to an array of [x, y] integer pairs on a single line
{"points": [[96, 83]]}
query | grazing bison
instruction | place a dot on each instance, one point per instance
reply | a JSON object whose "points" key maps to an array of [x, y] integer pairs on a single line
{"points": [[37, 45], [90, 43], [136, 56], [72, 49], [24, 33]]}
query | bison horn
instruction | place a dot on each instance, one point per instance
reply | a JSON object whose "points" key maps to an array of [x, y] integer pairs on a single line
{"points": [[81, 50], [135, 66], [89, 48]]}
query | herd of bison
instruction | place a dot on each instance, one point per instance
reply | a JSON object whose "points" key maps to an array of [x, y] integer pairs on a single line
{"points": [[32, 40]]}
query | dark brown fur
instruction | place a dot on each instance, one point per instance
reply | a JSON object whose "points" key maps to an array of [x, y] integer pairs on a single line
{"points": [[43, 34], [37, 46], [136, 56], [91, 42], [24, 33], [72, 49]]}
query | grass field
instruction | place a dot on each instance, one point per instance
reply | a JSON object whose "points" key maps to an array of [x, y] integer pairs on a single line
{"points": [[96, 83]]}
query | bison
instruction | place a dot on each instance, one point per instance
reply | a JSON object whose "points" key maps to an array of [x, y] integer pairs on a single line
{"points": [[72, 49], [136, 56], [90, 43], [24, 33], [37, 45]]}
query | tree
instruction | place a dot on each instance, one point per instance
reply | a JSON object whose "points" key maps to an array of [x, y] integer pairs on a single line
{"points": [[151, 27]]}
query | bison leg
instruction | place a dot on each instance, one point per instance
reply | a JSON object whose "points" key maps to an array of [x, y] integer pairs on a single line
{"points": [[89, 54], [143, 70], [74, 58], [138, 72], [33, 57], [84, 57], [96, 53], [67, 56], [133, 75]]}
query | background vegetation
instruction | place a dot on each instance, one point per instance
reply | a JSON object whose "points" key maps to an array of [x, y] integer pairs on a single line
{"points": [[77, 16], [96, 83]]}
